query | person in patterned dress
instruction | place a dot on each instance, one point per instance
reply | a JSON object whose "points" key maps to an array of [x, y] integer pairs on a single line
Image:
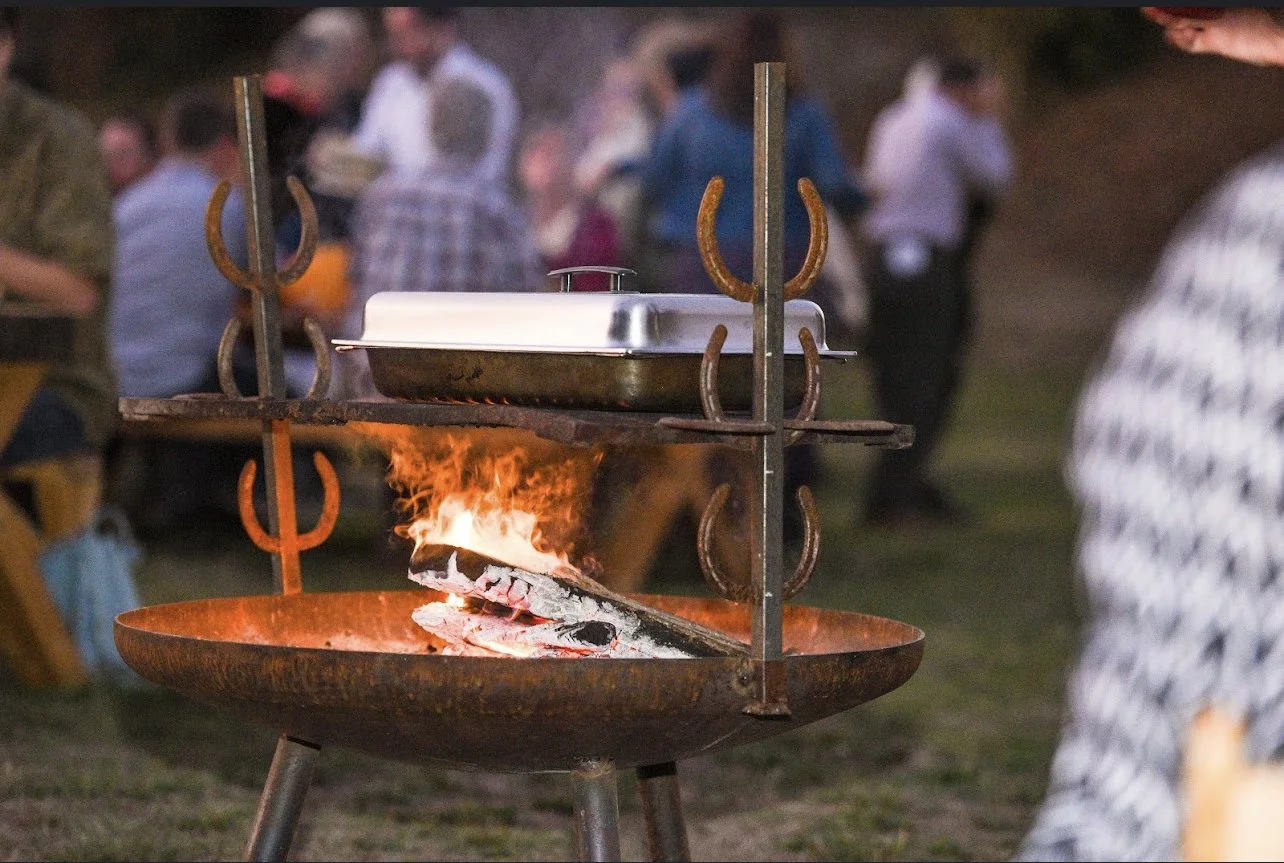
{"points": [[1177, 462]]}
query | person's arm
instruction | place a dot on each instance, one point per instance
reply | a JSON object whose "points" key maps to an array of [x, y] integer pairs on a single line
{"points": [[45, 281], [69, 266], [1249, 34]]}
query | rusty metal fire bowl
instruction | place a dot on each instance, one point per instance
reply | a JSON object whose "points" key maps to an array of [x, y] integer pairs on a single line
{"points": [[352, 669]]}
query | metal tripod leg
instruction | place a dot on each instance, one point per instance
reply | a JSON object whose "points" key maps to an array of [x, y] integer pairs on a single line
{"points": [[597, 811], [282, 801], [666, 831]]}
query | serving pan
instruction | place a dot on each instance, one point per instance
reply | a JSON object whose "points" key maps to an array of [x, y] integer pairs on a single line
{"points": [[613, 350]]}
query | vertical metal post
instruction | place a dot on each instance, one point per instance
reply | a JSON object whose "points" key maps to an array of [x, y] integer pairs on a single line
{"points": [[666, 830], [597, 811], [287, 784], [278, 475], [768, 396], [251, 129]]}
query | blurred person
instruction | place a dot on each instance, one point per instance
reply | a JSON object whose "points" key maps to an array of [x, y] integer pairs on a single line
{"points": [[171, 304], [320, 71], [398, 110], [1175, 465], [56, 247], [571, 228], [930, 157], [129, 149], [622, 114], [672, 55], [440, 228], [617, 128], [710, 132]]}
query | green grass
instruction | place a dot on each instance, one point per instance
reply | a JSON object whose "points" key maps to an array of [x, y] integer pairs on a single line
{"points": [[950, 766]]}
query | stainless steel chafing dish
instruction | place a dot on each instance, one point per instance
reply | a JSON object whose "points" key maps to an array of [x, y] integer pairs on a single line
{"points": [[611, 350]]}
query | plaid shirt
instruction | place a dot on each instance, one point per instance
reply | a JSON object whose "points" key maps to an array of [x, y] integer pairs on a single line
{"points": [[439, 230]]}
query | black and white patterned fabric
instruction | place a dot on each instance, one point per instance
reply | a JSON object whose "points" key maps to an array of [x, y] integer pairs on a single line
{"points": [[1178, 466]]}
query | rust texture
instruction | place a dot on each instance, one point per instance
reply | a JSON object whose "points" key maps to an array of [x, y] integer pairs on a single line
{"points": [[353, 670]]}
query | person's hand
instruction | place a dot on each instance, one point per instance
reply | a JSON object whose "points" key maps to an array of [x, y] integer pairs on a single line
{"points": [[1249, 34], [337, 167]]}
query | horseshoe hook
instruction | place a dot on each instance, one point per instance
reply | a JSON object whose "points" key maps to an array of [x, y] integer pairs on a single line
{"points": [[811, 544], [214, 239], [301, 542], [321, 378], [744, 592], [226, 344], [707, 241], [723, 586], [307, 236], [811, 398], [716, 266], [709, 399], [817, 243]]}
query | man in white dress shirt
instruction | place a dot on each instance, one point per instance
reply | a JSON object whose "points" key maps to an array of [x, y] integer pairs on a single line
{"points": [[930, 157], [394, 118]]}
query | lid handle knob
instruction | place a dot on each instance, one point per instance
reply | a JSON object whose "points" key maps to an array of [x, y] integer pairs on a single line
{"points": [[617, 275]]}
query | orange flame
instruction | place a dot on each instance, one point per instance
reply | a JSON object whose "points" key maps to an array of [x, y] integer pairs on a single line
{"points": [[504, 493]]}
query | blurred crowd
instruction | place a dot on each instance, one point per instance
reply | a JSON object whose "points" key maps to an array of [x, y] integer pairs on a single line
{"points": [[426, 176]]}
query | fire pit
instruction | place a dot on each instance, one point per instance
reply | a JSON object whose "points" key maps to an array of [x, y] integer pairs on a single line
{"points": [[367, 671], [353, 670]]}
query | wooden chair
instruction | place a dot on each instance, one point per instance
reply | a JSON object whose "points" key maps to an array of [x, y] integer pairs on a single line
{"points": [[1235, 810], [34, 641]]}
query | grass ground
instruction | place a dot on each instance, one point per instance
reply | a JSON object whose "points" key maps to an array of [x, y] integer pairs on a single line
{"points": [[948, 767]]}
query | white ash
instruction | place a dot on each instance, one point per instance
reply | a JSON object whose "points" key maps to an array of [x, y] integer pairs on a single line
{"points": [[515, 612]]}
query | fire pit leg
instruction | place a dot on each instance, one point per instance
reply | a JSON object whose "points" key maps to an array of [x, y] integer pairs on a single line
{"points": [[597, 811], [287, 784], [666, 831]]}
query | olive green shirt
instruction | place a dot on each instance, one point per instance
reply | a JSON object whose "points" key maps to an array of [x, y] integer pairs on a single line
{"points": [[55, 204]]}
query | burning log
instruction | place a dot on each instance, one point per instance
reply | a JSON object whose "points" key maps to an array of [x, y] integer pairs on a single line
{"points": [[496, 609]]}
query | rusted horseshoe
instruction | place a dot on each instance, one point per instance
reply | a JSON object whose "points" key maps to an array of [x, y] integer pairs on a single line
{"points": [[811, 544], [214, 239], [307, 236], [325, 523], [817, 243], [811, 398], [707, 241], [223, 260], [320, 348], [711, 403], [716, 266], [226, 345], [721, 585], [743, 592], [709, 399]]}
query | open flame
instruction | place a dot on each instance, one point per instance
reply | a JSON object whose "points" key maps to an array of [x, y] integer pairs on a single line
{"points": [[504, 493]]}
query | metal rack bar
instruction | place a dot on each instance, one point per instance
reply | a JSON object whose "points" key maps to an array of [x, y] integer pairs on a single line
{"points": [[587, 428], [767, 516]]}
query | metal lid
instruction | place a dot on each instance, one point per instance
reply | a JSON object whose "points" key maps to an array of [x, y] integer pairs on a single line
{"points": [[613, 323]]}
